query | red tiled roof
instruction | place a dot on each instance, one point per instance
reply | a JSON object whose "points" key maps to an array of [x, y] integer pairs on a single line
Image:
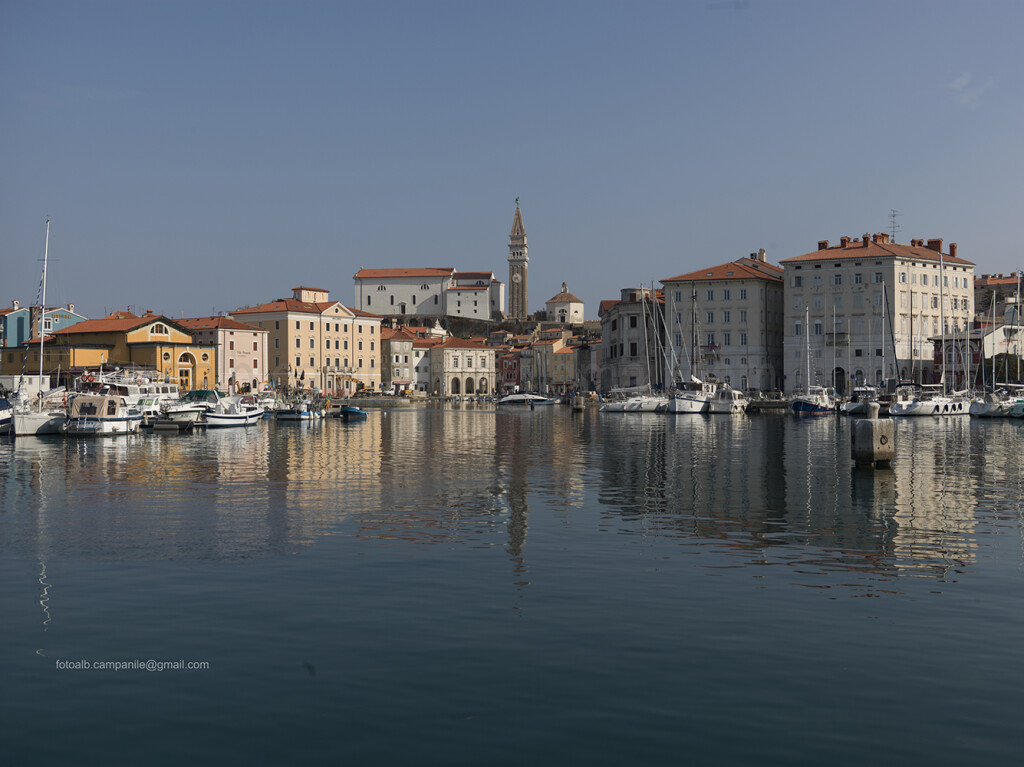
{"points": [[116, 322], [463, 343], [372, 274], [318, 290], [214, 323], [879, 249], [473, 275], [741, 269], [283, 305]]}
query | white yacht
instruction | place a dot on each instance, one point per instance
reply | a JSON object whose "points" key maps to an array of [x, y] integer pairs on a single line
{"points": [[693, 396], [927, 400]]}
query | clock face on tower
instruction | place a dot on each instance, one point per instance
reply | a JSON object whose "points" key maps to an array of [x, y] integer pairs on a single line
{"points": [[516, 278]]}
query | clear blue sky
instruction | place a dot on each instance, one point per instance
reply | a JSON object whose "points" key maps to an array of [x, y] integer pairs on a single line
{"points": [[201, 156]]}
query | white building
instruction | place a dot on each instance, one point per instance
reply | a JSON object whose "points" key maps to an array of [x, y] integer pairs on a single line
{"points": [[725, 323], [241, 351], [459, 366], [429, 292], [565, 308], [866, 309]]}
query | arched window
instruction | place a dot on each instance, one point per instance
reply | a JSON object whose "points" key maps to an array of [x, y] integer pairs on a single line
{"points": [[159, 330]]}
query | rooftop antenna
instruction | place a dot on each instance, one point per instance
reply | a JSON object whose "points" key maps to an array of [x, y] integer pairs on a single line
{"points": [[893, 226]]}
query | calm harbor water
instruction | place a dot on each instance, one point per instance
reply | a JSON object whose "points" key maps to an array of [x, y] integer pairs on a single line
{"points": [[469, 586]]}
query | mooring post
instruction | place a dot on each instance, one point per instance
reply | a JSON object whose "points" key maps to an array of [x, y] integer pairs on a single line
{"points": [[873, 440]]}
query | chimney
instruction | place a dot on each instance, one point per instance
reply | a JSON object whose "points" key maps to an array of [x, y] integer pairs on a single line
{"points": [[762, 255], [874, 238], [883, 238], [864, 239], [15, 304], [71, 307], [844, 241], [952, 250], [935, 244], [822, 244]]}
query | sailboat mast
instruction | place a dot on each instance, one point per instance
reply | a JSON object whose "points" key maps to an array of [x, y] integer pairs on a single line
{"points": [[42, 307], [942, 320]]}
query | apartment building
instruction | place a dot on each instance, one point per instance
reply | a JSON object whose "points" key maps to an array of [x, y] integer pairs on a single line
{"points": [[632, 333], [313, 342], [863, 311], [725, 323], [241, 351]]}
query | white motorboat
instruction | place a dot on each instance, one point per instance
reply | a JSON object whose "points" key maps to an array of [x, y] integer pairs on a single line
{"points": [[526, 399], [234, 411], [728, 400], [862, 398], [642, 403], [102, 415]]}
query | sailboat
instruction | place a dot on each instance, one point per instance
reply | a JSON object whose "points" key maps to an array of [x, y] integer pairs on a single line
{"points": [[933, 399], [695, 395], [639, 399], [34, 418], [817, 399]]}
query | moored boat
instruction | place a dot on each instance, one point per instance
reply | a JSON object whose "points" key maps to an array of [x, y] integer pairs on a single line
{"points": [[234, 411], [817, 401], [728, 400], [98, 415]]}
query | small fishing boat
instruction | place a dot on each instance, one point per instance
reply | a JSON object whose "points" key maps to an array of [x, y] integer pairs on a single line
{"points": [[351, 413], [817, 401]]}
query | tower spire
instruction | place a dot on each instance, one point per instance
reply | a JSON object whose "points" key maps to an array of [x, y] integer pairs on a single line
{"points": [[518, 259]]}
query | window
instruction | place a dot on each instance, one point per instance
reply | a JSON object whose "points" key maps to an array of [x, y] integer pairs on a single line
{"points": [[312, 344], [632, 349], [158, 329], [615, 324], [743, 315], [367, 300], [277, 362], [837, 279], [231, 362], [798, 302], [877, 277], [277, 343], [798, 281], [725, 295], [327, 344], [392, 300], [298, 362], [711, 295], [727, 340], [678, 296], [231, 345], [277, 324], [298, 343], [818, 328], [743, 294], [743, 339], [817, 278], [296, 324], [798, 328], [726, 315], [711, 317], [837, 300], [312, 362], [711, 340], [817, 302], [632, 320], [360, 346], [255, 346]]}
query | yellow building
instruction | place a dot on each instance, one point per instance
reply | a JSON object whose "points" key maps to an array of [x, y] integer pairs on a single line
{"points": [[313, 342], [123, 339]]}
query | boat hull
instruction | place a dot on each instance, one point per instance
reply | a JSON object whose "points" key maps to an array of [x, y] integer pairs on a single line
{"points": [[102, 427], [34, 423], [224, 420]]}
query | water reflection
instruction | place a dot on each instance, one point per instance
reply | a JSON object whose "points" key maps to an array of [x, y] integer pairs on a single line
{"points": [[767, 491]]}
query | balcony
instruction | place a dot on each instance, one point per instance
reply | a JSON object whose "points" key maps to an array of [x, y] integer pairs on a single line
{"points": [[837, 339]]}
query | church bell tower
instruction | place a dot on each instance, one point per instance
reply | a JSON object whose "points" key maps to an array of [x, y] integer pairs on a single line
{"points": [[518, 295]]}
